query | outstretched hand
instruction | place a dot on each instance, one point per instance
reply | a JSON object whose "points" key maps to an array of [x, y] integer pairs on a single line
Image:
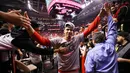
{"points": [[14, 17], [107, 8], [102, 12], [26, 25]]}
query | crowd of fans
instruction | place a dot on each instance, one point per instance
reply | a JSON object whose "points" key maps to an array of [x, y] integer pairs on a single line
{"points": [[97, 48]]}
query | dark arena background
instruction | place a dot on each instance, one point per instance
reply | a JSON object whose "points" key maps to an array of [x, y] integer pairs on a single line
{"points": [[51, 17]]}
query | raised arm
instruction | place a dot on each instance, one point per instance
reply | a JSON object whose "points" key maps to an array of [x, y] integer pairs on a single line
{"points": [[94, 24], [36, 36], [112, 28], [41, 39]]}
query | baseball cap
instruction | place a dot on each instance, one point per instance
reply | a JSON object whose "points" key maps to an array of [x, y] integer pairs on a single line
{"points": [[70, 25], [126, 35], [123, 34]]}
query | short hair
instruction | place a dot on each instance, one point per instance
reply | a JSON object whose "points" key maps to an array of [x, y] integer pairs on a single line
{"points": [[98, 37]]}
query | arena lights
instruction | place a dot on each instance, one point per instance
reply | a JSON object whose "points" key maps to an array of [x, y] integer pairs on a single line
{"points": [[59, 17], [30, 7], [29, 4], [87, 3]]}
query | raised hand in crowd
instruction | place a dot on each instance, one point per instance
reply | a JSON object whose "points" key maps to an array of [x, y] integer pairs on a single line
{"points": [[102, 12], [107, 8], [26, 24], [28, 27], [14, 17]]}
